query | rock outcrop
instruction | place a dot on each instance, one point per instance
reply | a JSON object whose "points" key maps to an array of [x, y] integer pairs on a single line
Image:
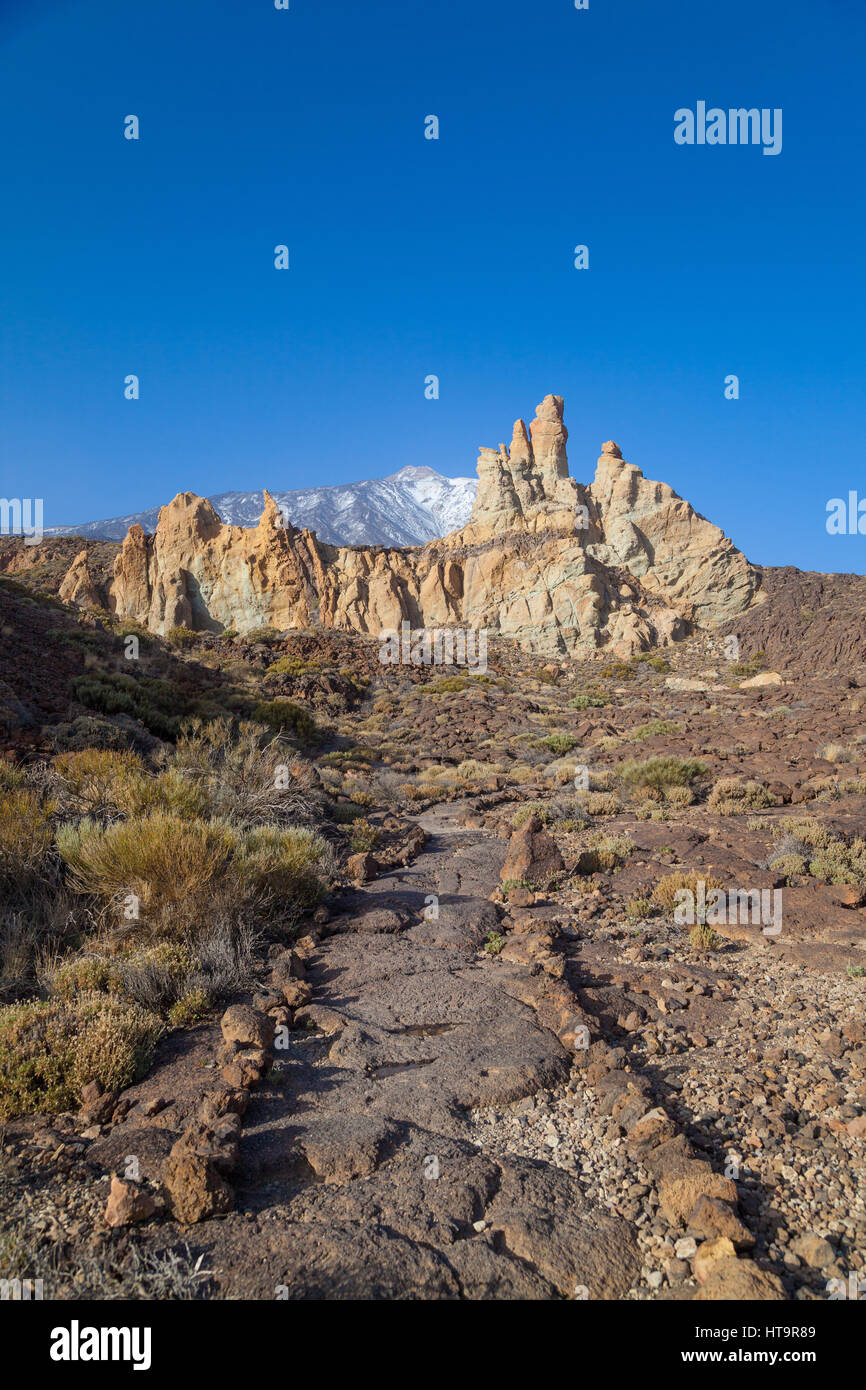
{"points": [[79, 587], [621, 565]]}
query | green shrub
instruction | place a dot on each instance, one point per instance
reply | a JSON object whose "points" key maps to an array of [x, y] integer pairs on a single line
{"points": [[637, 908], [618, 671], [365, 837], [283, 865], [731, 797], [50, 1049], [84, 975], [172, 865], [658, 663], [560, 743], [284, 715], [182, 637], [158, 704], [589, 700], [445, 685], [542, 809], [170, 792], [602, 803], [654, 729], [660, 772], [192, 1008]]}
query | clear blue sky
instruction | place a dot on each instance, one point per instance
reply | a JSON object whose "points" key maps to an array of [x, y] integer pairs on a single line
{"points": [[411, 257]]}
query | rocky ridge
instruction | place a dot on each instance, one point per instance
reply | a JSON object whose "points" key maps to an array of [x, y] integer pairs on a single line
{"points": [[620, 565]]}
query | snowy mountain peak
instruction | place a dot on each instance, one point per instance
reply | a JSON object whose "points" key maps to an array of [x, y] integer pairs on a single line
{"points": [[410, 507]]}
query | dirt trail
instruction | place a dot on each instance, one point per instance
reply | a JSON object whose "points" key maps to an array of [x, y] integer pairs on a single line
{"points": [[356, 1175]]}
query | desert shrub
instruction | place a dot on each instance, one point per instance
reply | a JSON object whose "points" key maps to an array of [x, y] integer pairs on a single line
{"points": [[293, 664], [665, 891], [50, 1049], [510, 885], [88, 974], [225, 949], [618, 671], [158, 975], [560, 743], [658, 663], [602, 803], [543, 809], [789, 864], [173, 866], [751, 667], [837, 753], [10, 776], [450, 685], [603, 853], [365, 837], [247, 778], [25, 841], [158, 704], [679, 796], [473, 770], [703, 938], [181, 637], [91, 780], [653, 729], [192, 1008], [650, 794], [285, 716], [589, 699], [493, 944], [265, 634], [287, 865], [170, 792], [660, 772], [637, 908], [731, 797]]}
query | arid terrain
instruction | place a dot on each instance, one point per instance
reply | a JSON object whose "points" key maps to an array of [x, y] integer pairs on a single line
{"points": [[324, 977]]}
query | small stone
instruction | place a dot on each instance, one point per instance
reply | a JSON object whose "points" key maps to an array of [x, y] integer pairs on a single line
{"points": [[246, 1026], [813, 1250], [708, 1255], [362, 868], [128, 1203]]}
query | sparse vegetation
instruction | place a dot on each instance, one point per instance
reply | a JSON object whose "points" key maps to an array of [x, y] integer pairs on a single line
{"points": [[731, 797], [658, 773], [49, 1049]]}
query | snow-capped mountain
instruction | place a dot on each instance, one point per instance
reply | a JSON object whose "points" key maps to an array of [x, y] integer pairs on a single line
{"points": [[407, 508]]}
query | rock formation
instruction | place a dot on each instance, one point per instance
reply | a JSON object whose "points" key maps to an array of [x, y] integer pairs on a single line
{"points": [[621, 565], [79, 588]]}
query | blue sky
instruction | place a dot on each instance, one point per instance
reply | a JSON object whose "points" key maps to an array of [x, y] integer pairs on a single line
{"points": [[411, 257]]}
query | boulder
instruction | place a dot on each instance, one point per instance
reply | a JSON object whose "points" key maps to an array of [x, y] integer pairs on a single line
{"points": [[532, 855]]}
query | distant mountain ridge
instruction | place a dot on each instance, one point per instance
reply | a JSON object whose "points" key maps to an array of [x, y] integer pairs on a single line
{"points": [[411, 507]]}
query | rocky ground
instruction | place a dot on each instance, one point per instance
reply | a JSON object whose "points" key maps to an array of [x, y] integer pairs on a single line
{"points": [[502, 1069]]}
